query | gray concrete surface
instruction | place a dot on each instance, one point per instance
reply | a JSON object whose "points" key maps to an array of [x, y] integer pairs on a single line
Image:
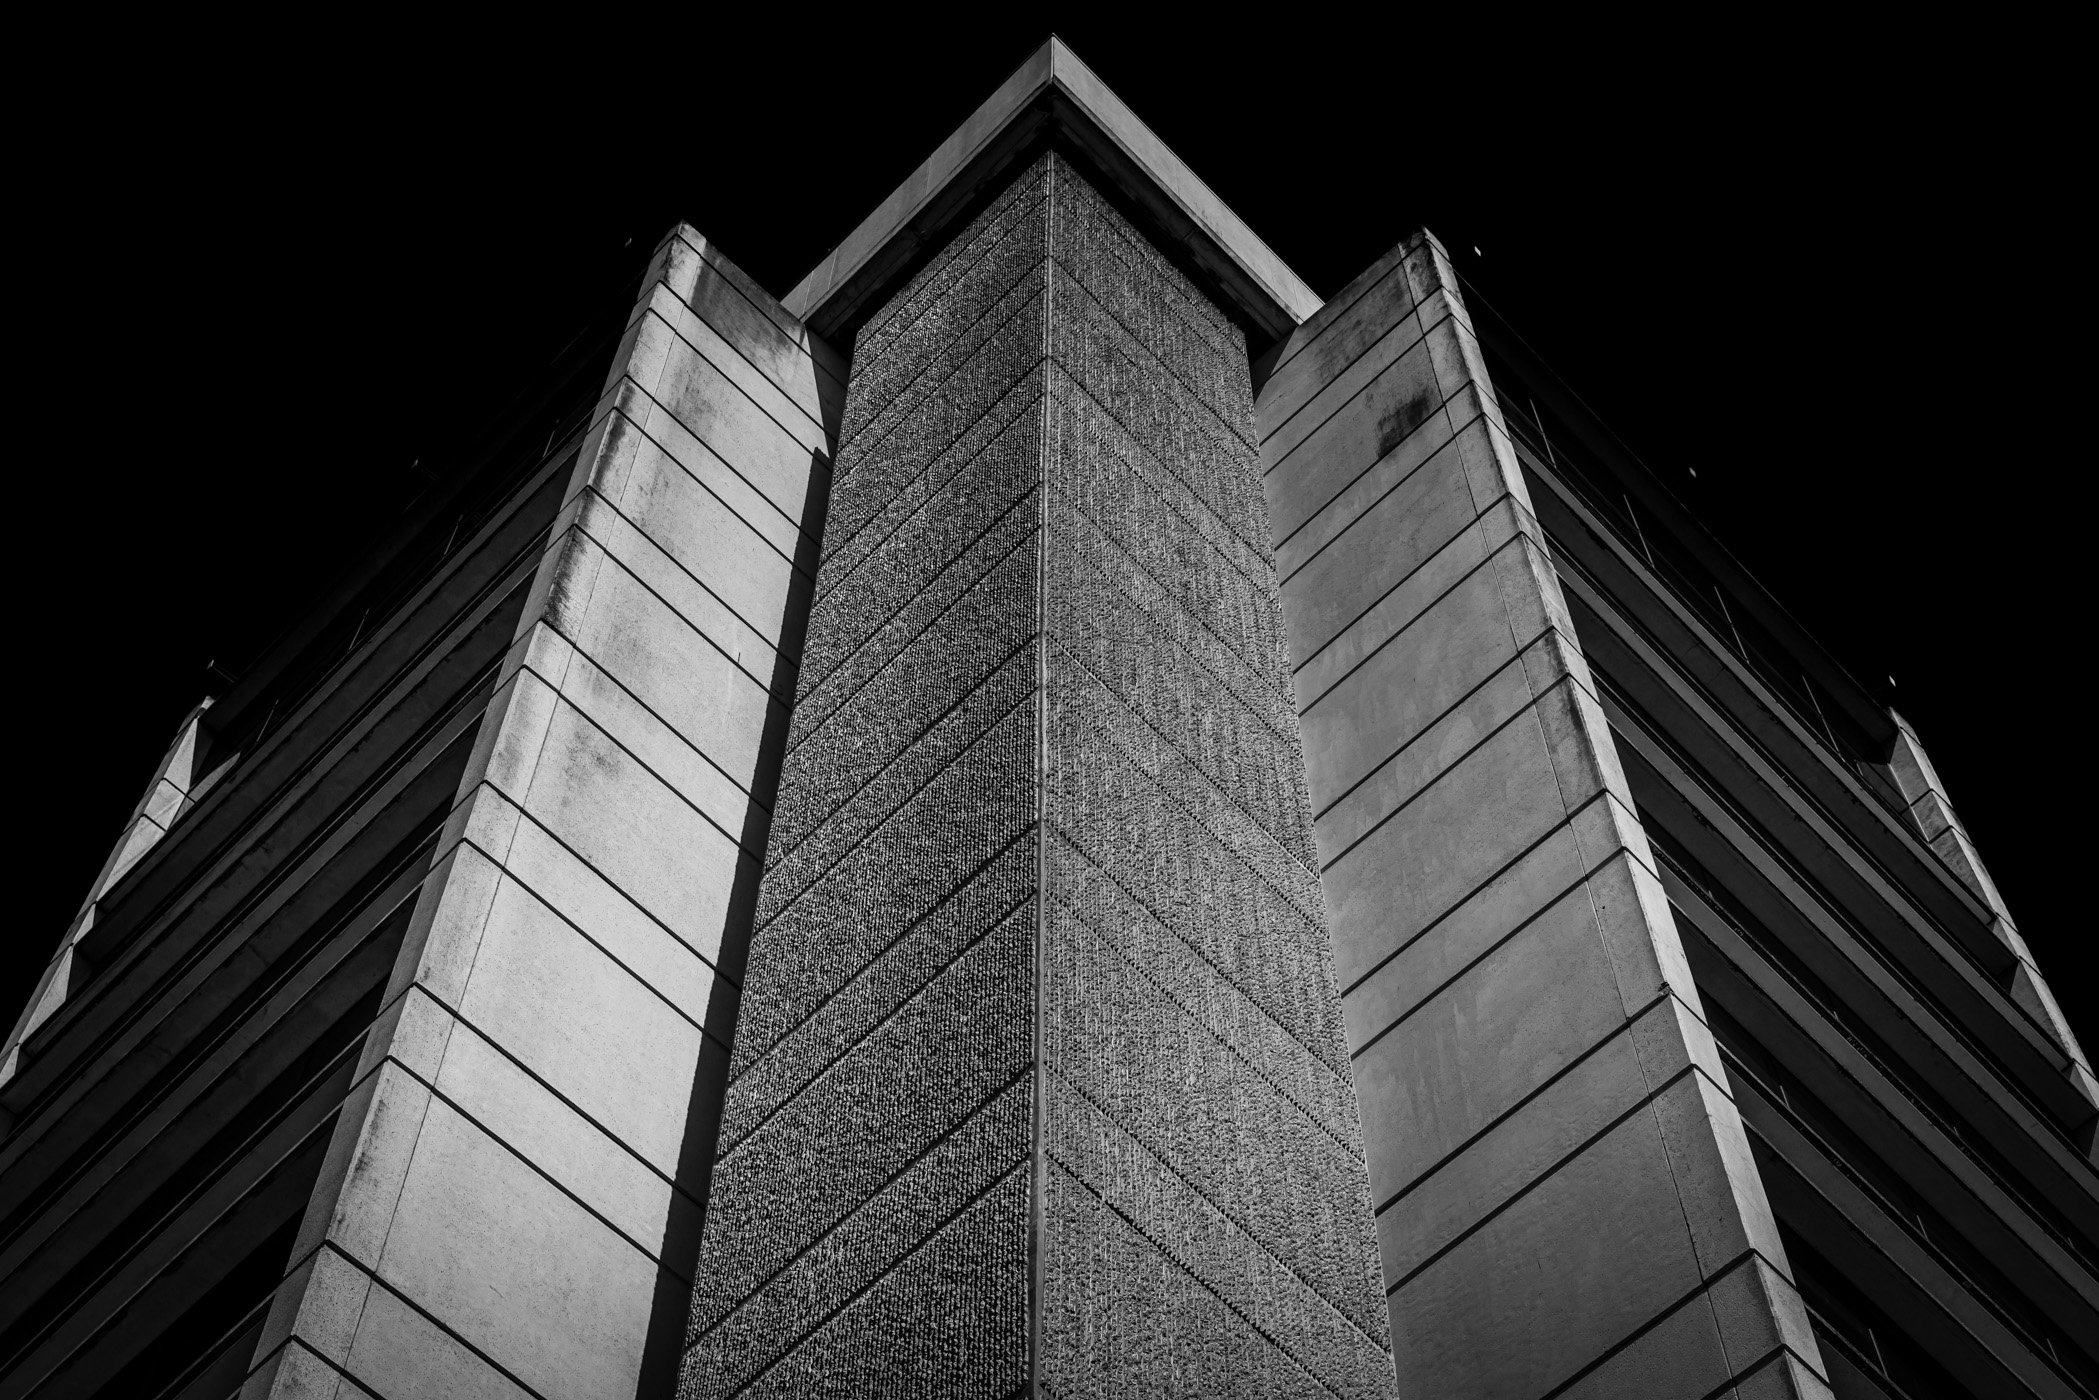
{"points": [[1040, 1085], [1052, 87], [512, 1199], [1565, 1197]]}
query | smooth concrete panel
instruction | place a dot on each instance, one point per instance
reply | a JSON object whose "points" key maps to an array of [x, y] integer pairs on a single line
{"points": [[1564, 1273], [1484, 1042], [1470, 1183], [1395, 690], [798, 416], [1682, 1355], [1378, 549], [1368, 317], [611, 1046], [1376, 420], [1471, 822], [707, 684], [1476, 561], [1324, 523], [402, 1355], [1468, 723], [762, 332], [635, 830], [516, 1266], [1349, 378], [620, 927], [644, 440], [536, 1215], [1412, 965], [710, 407], [723, 551], [737, 483], [328, 1293], [1513, 980], [638, 729]]}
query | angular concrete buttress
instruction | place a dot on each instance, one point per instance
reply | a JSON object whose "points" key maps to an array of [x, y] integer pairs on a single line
{"points": [[512, 1200], [1040, 1086], [1566, 1201]]}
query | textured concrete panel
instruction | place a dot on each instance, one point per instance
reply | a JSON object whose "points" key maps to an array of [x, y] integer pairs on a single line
{"points": [[520, 1174], [878, 1119], [1041, 1062], [1556, 1159]]}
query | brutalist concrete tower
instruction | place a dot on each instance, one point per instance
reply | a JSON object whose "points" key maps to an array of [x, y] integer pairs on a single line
{"points": [[1050, 814], [1041, 973]]}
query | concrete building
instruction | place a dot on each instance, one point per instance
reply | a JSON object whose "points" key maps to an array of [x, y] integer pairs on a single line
{"points": [[1048, 813]]}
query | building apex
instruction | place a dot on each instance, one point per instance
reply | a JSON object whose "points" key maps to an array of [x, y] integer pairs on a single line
{"points": [[1054, 98]]}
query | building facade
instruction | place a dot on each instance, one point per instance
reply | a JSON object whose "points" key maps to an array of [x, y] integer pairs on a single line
{"points": [[1050, 814]]}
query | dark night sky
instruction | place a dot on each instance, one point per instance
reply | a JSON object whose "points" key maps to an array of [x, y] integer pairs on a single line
{"points": [[1822, 268]]}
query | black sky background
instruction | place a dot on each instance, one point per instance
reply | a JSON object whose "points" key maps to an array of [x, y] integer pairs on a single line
{"points": [[1826, 269]]}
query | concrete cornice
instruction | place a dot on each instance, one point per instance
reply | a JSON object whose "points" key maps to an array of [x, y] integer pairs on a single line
{"points": [[1054, 95]]}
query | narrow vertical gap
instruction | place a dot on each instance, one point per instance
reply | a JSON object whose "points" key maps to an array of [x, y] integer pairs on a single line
{"points": [[1038, 1205]]}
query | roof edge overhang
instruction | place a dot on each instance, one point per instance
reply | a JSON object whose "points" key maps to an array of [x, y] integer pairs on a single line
{"points": [[1054, 100]]}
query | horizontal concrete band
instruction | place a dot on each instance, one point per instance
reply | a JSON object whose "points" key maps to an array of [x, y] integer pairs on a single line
{"points": [[1889, 1236], [482, 1084], [1941, 1166], [864, 270], [443, 773], [339, 819], [1927, 1299], [108, 1017], [423, 1354], [1527, 1041], [1868, 888], [107, 1183], [689, 332], [153, 1281], [1972, 1082], [526, 1170]]}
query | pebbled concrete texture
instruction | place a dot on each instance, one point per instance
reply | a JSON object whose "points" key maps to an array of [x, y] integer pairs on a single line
{"points": [[1041, 995], [876, 1136], [1565, 1198]]}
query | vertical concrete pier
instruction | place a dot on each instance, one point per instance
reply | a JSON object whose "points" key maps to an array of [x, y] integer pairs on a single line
{"points": [[1566, 1202], [511, 1203], [1040, 1085]]}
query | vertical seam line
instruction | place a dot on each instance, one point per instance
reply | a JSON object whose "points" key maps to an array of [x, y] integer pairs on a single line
{"points": [[1038, 1205]]}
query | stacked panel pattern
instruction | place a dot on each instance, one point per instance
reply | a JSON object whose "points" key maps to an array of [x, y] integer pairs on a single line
{"points": [[1566, 1204], [510, 1204], [1207, 1211], [869, 1216], [1040, 1078], [170, 1117]]}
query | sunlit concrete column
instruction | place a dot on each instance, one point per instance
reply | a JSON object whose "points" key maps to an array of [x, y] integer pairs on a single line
{"points": [[511, 1204], [1566, 1200]]}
